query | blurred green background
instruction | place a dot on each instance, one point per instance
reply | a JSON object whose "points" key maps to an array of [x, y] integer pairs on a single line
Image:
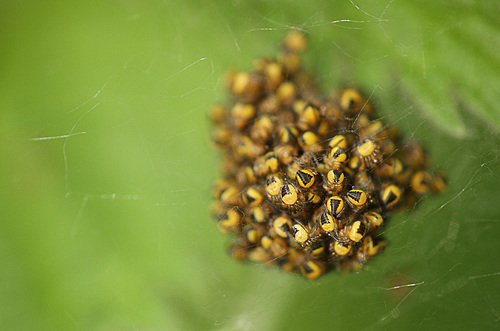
{"points": [[106, 165]]}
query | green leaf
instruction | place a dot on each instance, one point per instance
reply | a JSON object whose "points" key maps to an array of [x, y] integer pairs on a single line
{"points": [[107, 168]]}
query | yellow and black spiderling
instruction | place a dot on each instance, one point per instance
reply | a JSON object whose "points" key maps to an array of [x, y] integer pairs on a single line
{"points": [[336, 158], [309, 181], [289, 195], [341, 248], [273, 186], [356, 198], [313, 198], [369, 151], [312, 269], [282, 226], [327, 223], [259, 214], [299, 233], [391, 195], [334, 181], [335, 206], [252, 197], [230, 222], [374, 219], [305, 178], [357, 230], [338, 141], [316, 249]]}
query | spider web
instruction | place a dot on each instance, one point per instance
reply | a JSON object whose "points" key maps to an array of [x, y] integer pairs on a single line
{"points": [[123, 237]]}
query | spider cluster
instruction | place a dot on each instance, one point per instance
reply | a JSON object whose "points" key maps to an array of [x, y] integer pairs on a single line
{"points": [[308, 181]]}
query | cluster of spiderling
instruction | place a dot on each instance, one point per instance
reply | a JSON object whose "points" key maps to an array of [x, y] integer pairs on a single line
{"points": [[308, 181]]}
